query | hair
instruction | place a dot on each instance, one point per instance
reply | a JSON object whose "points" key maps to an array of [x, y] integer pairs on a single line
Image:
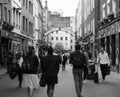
{"points": [[77, 47], [50, 50], [30, 49]]}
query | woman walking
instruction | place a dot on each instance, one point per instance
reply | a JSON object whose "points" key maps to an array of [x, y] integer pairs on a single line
{"points": [[50, 66], [30, 76], [20, 73]]}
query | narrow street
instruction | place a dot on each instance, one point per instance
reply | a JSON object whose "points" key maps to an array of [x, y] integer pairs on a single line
{"points": [[65, 88]]}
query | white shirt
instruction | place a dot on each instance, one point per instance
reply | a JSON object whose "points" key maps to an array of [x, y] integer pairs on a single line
{"points": [[103, 58], [20, 61]]}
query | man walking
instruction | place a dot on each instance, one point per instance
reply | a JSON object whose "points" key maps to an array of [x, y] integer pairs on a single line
{"points": [[104, 61], [78, 60]]}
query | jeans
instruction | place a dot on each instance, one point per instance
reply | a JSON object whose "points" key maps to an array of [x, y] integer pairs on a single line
{"points": [[78, 79], [20, 77], [103, 68]]}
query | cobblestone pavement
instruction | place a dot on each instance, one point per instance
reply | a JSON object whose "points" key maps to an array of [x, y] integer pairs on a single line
{"points": [[65, 87]]}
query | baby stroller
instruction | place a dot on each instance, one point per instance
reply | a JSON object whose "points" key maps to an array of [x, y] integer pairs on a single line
{"points": [[91, 70]]}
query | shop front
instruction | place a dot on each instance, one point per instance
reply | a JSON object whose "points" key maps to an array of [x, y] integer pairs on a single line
{"points": [[5, 45], [109, 37]]}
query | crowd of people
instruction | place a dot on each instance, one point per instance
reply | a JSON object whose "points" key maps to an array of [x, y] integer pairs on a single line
{"points": [[29, 65]]}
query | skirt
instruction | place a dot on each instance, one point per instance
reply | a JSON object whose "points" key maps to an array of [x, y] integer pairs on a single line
{"points": [[31, 81]]}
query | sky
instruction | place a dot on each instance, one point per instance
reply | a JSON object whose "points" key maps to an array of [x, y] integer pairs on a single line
{"points": [[67, 6]]}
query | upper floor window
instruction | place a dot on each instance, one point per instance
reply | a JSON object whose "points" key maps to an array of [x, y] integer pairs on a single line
{"points": [[0, 11], [23, 2], [26, 3], [65, 38], [52, 38], [9, 16], [119, 4], [71, 41], [61, 38], [56, 38], [5, 13]]}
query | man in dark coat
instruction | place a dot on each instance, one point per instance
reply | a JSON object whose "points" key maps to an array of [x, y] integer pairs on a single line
{"points": [[78, 60], [50, 66]]}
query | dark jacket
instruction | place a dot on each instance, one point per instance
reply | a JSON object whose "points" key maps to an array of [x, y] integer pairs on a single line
{"points": [[34, 62], [82, 60], [50, 66]]}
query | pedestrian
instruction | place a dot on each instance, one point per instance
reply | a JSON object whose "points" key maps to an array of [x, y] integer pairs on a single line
{"points": [[103, 60], [77, 59], [86, 67], [20, 73], [64, 61], [10, 57], [50, 66], [30, 74]]}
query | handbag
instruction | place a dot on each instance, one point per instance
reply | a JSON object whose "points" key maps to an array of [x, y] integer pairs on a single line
{"points": [[42, 81]]}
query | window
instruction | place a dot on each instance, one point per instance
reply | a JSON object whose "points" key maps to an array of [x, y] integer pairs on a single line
{"points": [[56, 38], [32, 9], [26, 25], [5, 13], [119, 4], [57, 32], [29, 27], [16, 19], [9, 16], [61, 38], [0, 11], [23, 2], [52, 38], [23, 23], [65, 38], [26, 3], [29, 6], [71, 41], [19, 20]]}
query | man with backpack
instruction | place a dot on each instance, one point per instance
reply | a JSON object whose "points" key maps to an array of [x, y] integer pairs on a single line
{"points": [[78, 60]]}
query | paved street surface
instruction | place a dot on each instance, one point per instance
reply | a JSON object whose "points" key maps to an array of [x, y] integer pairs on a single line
{"points": [[65, 88]]}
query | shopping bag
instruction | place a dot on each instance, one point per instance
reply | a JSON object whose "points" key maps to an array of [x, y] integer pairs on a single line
{"points": [[42, 80]]}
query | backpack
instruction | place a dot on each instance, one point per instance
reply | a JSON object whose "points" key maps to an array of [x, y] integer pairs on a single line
{"points": [[78, 60]]}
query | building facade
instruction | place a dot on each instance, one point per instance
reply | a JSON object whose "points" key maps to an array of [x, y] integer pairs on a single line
{"points": [[27, 23], [109, 32], [65, 29], [6, 28], [87, 17]]}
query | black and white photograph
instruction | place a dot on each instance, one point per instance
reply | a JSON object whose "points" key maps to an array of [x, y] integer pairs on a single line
{"points": [[59, 48]]}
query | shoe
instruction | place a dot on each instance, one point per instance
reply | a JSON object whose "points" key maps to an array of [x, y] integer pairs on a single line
{"points": [[104, 82], [81, 96], [20, 86]]}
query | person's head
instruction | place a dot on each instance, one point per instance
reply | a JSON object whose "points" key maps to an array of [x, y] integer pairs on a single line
{"points": [[50, 50], [77, 47], [30, 49], [102, 49]]}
